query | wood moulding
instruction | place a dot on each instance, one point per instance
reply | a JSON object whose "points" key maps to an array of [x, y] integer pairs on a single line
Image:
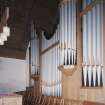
{"points": [[92, 103], [35, 77], [67, 69], [50, 47], [89, 7], [86, 87]]}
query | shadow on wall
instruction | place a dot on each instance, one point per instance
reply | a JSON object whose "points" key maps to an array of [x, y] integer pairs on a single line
{"points": [[13, 74]]}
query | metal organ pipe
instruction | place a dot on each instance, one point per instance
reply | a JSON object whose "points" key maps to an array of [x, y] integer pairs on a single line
{"points": [[58, 57], [89, 36], [75, 52], [72, 30], [69, 29], [52, 69], [98, 42], [58, 62], [101, 19], [32, 33], [65, 33], [62, 36], [94, 44], [101, 26], [55, 65]]}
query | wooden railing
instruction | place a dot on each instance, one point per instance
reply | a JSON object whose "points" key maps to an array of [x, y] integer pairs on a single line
{"points": [[30, 99]]}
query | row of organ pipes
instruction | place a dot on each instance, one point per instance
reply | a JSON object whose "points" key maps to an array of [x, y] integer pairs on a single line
{"points": [[64, 53], [34, 51], [51, 76], [67, 26], [92, 45]]}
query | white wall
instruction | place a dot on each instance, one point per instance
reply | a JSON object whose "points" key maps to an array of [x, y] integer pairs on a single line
{"points": [[27, 67], [13, 74]]}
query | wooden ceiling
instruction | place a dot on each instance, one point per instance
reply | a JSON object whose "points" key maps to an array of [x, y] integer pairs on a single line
{"points": [[22, 12]]}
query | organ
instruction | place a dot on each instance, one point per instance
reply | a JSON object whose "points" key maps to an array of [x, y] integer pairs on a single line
{"points": [[75, 50]]}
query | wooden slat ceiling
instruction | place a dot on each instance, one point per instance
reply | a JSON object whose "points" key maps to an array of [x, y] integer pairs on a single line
{"points": [[22, 12]]}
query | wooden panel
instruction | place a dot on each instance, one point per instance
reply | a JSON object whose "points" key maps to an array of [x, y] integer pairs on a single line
{"points": [[72, 84], [92, 103], [11, 100], [12, 53]]}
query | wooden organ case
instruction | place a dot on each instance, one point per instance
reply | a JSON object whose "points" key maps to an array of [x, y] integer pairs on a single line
{"points": [[57, 69]]}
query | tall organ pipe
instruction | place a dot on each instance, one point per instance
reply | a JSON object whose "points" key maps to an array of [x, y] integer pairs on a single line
{"points": [[59, 34], [69, 31], [56, 63], [32, 33], [101, 46], [58, 59], [89, 47], [52, 69], [84, 46], [65, 33], [72, 35], [75, 49], [98, 42], [89, 30], [94, 44], [62, 32]]}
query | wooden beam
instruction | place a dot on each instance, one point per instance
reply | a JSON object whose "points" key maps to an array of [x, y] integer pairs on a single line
{"points": [[50, 47], [92, 103], [89, 7], [12, 53]]}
